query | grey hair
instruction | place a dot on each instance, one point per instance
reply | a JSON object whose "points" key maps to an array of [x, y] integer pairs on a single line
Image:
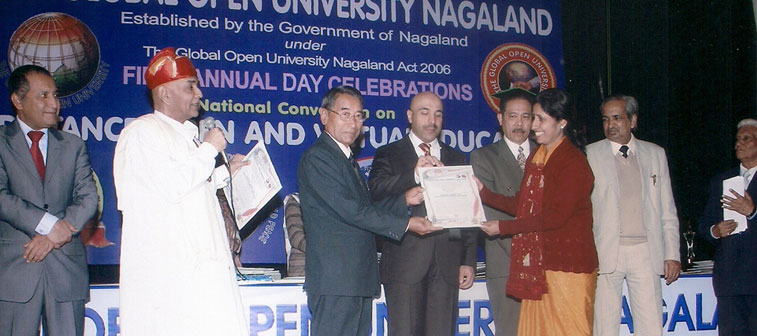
{"points": [[330, 98], [747, 122], [632, 106]]}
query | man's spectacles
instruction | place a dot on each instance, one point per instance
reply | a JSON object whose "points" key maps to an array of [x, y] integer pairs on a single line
{"points": [[347, 115]]}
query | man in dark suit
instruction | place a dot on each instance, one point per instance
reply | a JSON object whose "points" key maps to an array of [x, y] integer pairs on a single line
{"points": [[422, 275], [47, 193], [340, 220], [735, 265], [499, 166]]}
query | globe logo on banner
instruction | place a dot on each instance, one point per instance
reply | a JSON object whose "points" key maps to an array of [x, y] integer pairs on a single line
{"points": [[59, 43], [514, 65]]}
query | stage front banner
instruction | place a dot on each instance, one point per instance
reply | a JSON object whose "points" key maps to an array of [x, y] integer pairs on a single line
{"points": [[280, 308]]}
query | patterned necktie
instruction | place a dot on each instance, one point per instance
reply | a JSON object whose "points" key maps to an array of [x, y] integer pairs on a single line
{"points": [[521, 158], [39, 161], [426, 148], [624, 151], [232, 230]]}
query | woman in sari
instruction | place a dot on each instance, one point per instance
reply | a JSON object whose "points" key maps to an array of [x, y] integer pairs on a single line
{"points": [[553, 260]]}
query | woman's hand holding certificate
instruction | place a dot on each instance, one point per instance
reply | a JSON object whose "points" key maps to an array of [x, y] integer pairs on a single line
{"points": [[451, 196]]}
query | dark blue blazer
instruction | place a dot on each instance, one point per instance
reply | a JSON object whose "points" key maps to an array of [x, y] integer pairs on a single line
{"points": [[341, 223], [735, 255]]}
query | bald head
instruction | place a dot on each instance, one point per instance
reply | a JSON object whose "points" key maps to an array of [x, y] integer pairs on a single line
{"points": [[425, 116], [424, 97]]}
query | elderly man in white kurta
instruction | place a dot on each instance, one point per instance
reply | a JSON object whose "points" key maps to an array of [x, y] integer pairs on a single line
{"points": [[177, 276]]}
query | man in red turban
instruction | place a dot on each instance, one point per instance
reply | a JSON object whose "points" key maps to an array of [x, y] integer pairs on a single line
{"points": [[177, 275]]}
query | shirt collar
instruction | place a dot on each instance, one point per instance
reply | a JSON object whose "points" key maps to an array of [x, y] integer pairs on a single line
{"points": [[743, 170], [26, 128], [187, 128], [345, 149], [416, 141], [514, 147], [631, 145]]}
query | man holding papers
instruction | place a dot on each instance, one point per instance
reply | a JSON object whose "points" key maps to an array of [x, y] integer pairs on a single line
{"points": [[177, 275], [421, 275], [735, 264]]}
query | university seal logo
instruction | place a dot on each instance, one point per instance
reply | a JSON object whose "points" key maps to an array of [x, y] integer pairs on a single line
{"points": [[59, 43], [514, 65]]}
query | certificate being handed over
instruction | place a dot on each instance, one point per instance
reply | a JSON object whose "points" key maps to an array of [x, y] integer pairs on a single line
{"points": [[451, 196]]}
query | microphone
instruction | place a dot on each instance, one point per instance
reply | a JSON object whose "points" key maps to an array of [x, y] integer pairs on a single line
{"points": [[208, 124]]}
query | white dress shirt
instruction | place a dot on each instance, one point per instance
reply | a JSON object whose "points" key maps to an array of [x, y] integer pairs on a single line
{"points": [[436, 149], [616, 146], [514, 147]]}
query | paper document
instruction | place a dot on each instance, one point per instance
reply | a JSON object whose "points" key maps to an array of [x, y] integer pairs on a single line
{"points": [[738, 184], [254, 185], [451, 196]]}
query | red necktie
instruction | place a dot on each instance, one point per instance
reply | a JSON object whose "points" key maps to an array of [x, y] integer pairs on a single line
{"points": [[426, 148], [39, 161]]}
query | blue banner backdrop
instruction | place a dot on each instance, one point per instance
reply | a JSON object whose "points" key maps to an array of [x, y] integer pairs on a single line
{"points": [[264, 66]]}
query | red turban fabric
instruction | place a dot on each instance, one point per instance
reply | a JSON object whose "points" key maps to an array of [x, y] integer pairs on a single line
{"points": [[166, 67]]}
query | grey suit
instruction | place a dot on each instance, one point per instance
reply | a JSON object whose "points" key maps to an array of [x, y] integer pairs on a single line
{"points": [[498, 169], [68, 192]]}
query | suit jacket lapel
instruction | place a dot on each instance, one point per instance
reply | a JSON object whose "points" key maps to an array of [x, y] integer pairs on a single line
{"points": [[407, 154], [752, 187], [642, 155], [17, 143], [445, 152], [408, 150], [609, 163], [334, 147], [509, 162], [55, 149]]}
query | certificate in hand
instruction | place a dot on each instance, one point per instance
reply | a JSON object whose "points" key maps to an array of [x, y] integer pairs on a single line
{"points": [[254, 185], [451, 196], [736, 183]]}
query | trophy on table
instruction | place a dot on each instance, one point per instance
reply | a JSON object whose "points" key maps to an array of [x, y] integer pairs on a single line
{"points": [[689, 237]]}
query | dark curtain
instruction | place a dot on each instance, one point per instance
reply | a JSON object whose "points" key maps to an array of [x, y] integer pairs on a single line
{"points": [[691, 65]]}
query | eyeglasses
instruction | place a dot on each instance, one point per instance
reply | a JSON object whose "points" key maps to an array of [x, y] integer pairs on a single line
{"points": [[347, 115]]}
